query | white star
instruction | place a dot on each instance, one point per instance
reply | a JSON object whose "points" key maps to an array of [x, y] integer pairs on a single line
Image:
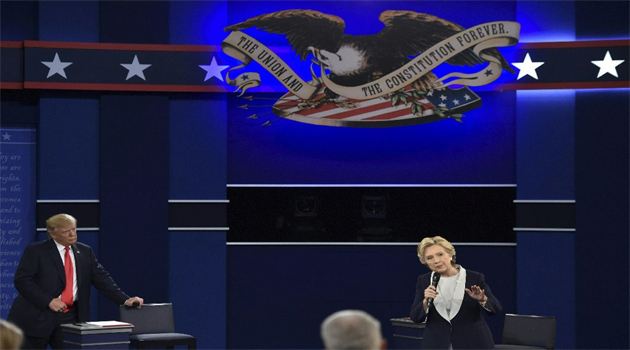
{"points": [[56, 67], [442, 97], [135, 68], [430, 93], [607, 65], [6, 136], [467, 97], [456, 102], [527, 67], [443, 105], [213, 70]]}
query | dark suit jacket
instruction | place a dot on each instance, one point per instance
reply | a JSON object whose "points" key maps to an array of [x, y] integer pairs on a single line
{"points": [[40, 277], [468, 329]]}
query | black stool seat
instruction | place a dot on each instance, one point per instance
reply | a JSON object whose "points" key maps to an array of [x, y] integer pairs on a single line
{"points": [[154, 327], [161, 337], [528, 332], [515, 347], [163, 340]]}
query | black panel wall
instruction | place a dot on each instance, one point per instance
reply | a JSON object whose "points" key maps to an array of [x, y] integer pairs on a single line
{"points": [[371, 214], [134, 167], [601, 244], [134, 194]]}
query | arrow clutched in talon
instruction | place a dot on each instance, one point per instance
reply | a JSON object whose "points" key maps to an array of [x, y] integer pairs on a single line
{"points": [[259, 106], [255, 116], [269, 122]]}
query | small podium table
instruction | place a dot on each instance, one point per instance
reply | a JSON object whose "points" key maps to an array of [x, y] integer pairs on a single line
{"points": [[407, 334], [96, 335]]}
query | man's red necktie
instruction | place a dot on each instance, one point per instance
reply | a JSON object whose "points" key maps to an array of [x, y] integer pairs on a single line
{"points": [[67, 294]]}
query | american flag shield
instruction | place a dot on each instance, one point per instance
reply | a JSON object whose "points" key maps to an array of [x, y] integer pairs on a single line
{"points": [[397, 110]]}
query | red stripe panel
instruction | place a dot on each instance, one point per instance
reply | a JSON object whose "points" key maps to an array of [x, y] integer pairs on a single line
{"points": [[284, 103], [12, 86], [12, 44], [323, 108], [121, 47], [124, 87], [584, 85], [392, 115], [574, 44], [281, 104], [354, 112], [378, 106]]}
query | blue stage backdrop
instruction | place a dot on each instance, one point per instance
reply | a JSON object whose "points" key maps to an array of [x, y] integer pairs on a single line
{"points": [[480, 150], [276, 296], [17, 205]]}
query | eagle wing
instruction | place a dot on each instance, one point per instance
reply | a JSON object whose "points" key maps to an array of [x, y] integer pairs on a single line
{"points": [[303, 28], [410, 33]]}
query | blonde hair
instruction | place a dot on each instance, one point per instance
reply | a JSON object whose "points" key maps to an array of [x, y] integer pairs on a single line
{"points": [[10, 336], [442, 242], [59, 220]]}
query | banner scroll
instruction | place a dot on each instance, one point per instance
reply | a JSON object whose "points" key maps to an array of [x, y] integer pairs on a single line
{"points": [[484, 36]]}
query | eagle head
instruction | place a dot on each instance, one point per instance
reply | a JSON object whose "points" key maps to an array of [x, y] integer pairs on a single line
{"points": [[349, 60]]}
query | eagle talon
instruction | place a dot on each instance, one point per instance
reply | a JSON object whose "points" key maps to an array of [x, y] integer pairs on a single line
{"points": [[314, 104], [346, 104]]}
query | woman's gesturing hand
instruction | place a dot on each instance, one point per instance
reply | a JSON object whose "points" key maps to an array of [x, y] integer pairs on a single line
{"points": [[476, 293]]}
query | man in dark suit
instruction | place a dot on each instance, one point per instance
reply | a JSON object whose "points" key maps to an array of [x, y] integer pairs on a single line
{"points": [[53, 280]]}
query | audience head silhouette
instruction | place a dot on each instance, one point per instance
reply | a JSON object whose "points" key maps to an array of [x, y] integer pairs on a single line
{"points": [[352, 329]]}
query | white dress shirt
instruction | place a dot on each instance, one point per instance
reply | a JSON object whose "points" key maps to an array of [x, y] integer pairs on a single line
{"points": [[449, 300], [446, 288]]}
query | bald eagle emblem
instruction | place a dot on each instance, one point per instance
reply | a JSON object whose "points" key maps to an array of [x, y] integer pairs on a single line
{"points": [[384, 79]]}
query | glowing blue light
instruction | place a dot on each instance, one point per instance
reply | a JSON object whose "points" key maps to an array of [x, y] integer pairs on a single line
{"points": [[546, 21]]}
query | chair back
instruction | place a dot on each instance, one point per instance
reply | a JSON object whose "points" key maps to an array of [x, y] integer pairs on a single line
{"points": [[151, 318], [529, 330]]}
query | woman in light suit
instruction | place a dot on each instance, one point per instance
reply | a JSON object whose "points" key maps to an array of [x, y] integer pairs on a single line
{"points": [[454, 319]]}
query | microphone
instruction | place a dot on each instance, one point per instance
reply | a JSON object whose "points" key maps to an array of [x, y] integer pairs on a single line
{"points": [[434, 283]]}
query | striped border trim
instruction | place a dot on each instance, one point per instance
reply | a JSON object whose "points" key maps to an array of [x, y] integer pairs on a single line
{"points": [[462, 244], [542, 229], [68, 201], [118, 47], [543, 201], [199, 201], [566, 85], [125, 87], [11, 44], [574, 44], [98, 201], [43, 229], [11, 85], [198, 228], [370, 185]]}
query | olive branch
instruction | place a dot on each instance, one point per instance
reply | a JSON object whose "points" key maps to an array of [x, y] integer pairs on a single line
{"points": [[413, 97]]}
